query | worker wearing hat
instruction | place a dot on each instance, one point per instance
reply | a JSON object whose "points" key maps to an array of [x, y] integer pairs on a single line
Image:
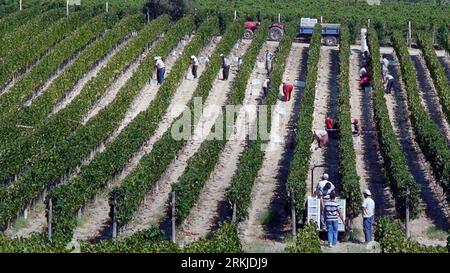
{"points": [[194, 63], [323, 190], [368, 207], [160, 69]]}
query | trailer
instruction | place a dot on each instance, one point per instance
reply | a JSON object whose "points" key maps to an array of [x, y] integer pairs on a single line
{"points": [[330, 32], [313, 209]]}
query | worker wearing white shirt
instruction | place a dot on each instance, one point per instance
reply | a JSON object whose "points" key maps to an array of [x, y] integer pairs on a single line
{"points": [[225, 67], [389, 81], [269, 57], [385, 68], [266, 86], [194, 63], [368, 207], [160, 69]]}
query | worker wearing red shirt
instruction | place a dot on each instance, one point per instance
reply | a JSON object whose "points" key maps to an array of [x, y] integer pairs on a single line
{"points": [[287, 90], [329, 123]]}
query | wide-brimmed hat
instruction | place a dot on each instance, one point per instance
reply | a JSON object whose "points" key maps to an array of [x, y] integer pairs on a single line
{"points": [[367, 192]]}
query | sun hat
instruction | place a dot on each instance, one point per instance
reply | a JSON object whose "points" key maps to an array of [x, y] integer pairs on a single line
{"points": [[367, 192]]}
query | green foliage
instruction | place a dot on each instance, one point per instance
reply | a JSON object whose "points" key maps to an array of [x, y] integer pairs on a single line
{"points": [[175, 8], [437, 72], [224, 240], [392, 239], [55, 127], [150, 240], [54, 153], [252, 158], [430, 139], [130, 194], [298, 171], [394, 159], [307, 241], [349, 180], [18, 58], [200, 165], [92, 178]]}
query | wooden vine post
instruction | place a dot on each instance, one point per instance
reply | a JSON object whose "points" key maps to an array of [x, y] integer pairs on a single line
{"points": [[233, 217], [114, 219], [293, 216], [409, 34], [174, 240], [20, 5], [235, 15], [49, 218], [407, 211]]}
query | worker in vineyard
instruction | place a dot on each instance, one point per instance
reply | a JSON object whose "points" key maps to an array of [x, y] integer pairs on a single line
{"points": [[332, 212], [389, 81], [225, 66], [385, 65], [331, 127], [160, 69], [321, 185], [366, 59], [266, 86], [239, 64], [356, 129], [287, 90], [323, 190], [269, 58], [363, 72], [368, 208], [321, 137], [194, 63]]}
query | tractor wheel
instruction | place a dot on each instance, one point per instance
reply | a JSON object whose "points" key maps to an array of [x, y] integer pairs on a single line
{"points": [[248, 34], [275, 34], [330, 41]]}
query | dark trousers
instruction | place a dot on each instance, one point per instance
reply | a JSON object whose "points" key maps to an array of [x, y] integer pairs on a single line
{"points": [[367, 227], [389, 86], [160, 75], [194, 71], [226, 72]]}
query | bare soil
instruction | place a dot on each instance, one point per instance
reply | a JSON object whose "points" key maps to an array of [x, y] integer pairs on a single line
{"points": [[434, 210], [153, 209], [428, 93], [269, 187], [205, 215], [369, 163], [89, 75]]}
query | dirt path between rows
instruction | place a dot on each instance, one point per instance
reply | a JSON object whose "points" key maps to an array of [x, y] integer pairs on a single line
{"points": [[153, 209], [36, 218], [326, 105], [96, 216], [90, 74], [266, 235], [428, 93], [433, 212], [369, 163], [206, 213]]}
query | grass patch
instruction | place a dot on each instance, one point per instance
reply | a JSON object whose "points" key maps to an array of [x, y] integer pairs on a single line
{"points": [[434, 233], [20, 223], [265, 217]]}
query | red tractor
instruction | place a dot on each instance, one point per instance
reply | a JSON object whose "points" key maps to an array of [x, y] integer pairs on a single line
{"points": [[276, 31]]}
